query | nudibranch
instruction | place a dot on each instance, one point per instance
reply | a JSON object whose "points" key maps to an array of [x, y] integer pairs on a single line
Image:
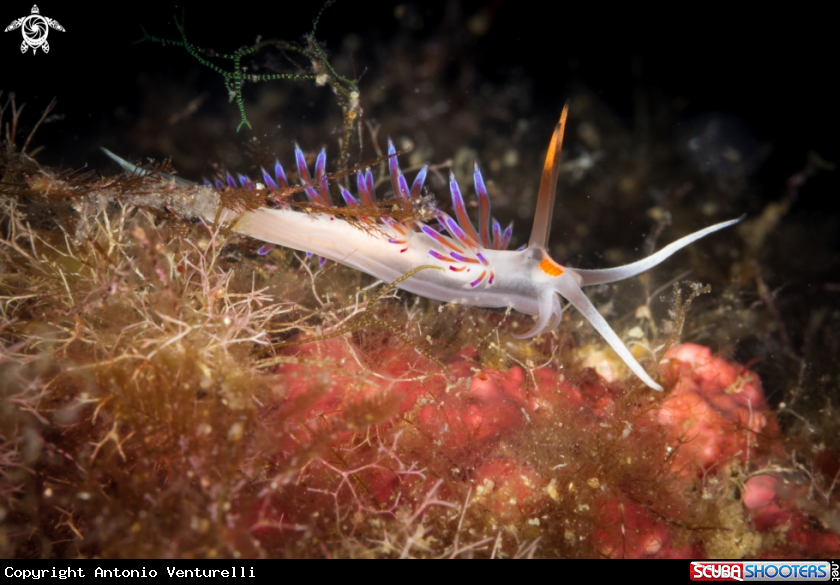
{"points": [[475, 266]]}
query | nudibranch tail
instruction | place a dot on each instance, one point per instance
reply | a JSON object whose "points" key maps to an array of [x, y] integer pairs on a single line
{"points": [[135, 170]]}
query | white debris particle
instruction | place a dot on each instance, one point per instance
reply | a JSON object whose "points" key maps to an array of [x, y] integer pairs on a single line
{"points": [[486, 487], [636, 333], [551, 490], [236, 431]]}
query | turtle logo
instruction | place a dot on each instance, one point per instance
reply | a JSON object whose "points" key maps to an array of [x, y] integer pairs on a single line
{"points": [[35, 28]]}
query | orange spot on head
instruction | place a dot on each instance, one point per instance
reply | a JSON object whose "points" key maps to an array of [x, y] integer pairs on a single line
{"points": [[551, 267]]}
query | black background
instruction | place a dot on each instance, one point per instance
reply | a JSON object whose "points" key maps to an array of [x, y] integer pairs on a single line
{"points": [[772, 69]]}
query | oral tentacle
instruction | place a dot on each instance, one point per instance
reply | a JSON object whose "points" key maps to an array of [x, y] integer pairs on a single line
{"points": [[572, 292], [607, 275]]}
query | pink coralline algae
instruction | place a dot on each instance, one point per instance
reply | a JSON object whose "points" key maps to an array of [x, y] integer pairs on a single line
{"points": [[578, 465], [716, 406]]}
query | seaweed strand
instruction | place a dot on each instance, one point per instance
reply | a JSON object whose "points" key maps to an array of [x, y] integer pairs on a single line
{"points": [[234, 79], [369, 319]]}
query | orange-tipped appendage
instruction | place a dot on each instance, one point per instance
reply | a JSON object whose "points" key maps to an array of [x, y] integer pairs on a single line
{"points": [[548, 185]]}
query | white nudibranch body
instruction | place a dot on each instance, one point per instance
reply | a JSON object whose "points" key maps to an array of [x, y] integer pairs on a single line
{"points": [[475, 268]]}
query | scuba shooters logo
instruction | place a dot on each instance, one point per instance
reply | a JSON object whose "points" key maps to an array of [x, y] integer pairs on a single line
{"points": [[35, 29], [764, 571]]}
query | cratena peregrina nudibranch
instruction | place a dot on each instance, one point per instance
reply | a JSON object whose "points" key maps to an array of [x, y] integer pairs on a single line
{"points": [[474, 265]]}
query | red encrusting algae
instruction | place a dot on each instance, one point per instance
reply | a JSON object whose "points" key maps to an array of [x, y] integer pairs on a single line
{"points": [[580, 466]]}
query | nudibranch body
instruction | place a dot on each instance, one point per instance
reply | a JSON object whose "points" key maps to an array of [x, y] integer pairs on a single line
{"points": [[475, 268]]}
